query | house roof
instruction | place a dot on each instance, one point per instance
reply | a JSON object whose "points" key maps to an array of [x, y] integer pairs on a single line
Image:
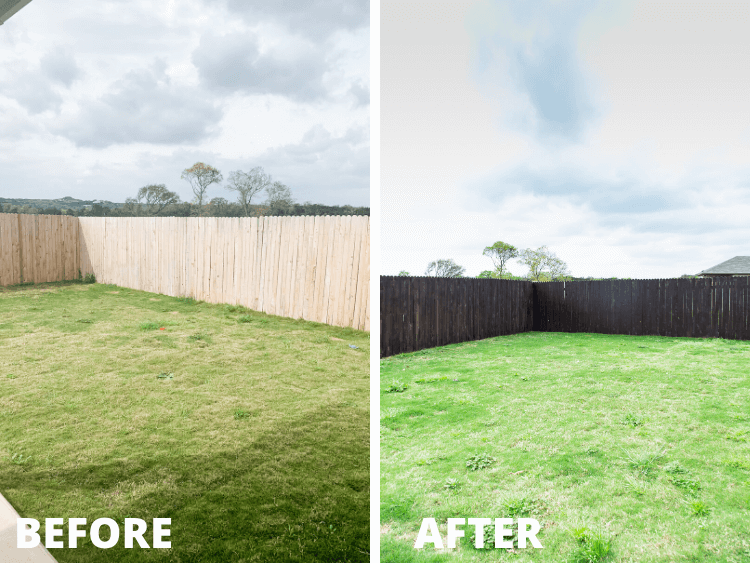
{"points": [[739, 265], [10, 7]]}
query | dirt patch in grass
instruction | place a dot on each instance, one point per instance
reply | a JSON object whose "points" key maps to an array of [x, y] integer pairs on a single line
{"points": [[624, 448], [253, 437]]}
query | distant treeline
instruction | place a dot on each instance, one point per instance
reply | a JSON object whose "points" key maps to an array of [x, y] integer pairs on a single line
{"points": [[217, 207]]}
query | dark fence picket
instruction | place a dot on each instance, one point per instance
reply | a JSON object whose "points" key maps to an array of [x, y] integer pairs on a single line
{"points": [[745, 331], [419, 313]]}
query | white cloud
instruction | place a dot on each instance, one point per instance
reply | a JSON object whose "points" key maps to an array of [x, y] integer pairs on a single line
{"points": [[110, 95]]}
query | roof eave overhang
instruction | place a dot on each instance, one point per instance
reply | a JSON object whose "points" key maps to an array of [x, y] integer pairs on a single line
{"points": [[10, 7]]}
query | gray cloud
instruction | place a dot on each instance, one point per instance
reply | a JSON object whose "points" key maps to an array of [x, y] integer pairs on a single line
{"points": [[624, 195], [361, 94], [314, 18], [234, 63], [143, 107], [33, 92], [556, 88], [696, 206], [324, 168], [33, 88], [544, 68], [60, 66]]}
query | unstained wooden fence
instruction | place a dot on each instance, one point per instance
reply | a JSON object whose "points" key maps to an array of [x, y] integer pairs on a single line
{"points": [[38, 248], [313, 268], [417, 313]]}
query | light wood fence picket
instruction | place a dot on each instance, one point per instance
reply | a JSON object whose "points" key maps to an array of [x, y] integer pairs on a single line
{"points": [[38, 248], [313, 268]]}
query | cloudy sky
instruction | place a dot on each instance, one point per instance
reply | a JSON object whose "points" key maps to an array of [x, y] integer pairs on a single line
{"points": [[616, 133], [101, 97]]}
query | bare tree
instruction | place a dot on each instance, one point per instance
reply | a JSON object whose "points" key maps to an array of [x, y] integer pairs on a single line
{"points": [[279, 199], [445, 269], [201, 176], [247, 184]]}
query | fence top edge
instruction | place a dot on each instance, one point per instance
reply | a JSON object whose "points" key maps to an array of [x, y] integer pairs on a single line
{"points": [[712, 279], [178, 217], [175, 217]]}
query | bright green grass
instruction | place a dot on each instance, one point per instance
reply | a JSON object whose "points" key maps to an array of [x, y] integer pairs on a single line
{"points": [[636, 445], [253, 436]]}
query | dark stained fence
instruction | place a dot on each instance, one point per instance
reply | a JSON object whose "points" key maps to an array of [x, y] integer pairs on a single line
{"points": [[693, 307], [418, 313]]}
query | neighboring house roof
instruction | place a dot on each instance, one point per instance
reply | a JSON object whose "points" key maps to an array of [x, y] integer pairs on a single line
{"points": [[737, 266], [10, 7]]}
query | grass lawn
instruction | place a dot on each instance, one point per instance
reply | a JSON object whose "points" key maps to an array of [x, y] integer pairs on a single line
{"points": [[624, 448], [251, 432]]}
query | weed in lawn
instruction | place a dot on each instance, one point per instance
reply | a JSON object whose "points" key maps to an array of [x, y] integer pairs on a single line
{"points": [[674, 468], [592, 547], [431, 460], [397, 387], [644, 462], [451, 484], [165, 375], [11, 376], [633, 420], [200, 337], [85, 321], [636, 486], [688, 484], [245, 319], [239, 414], [699, 508], [580, 534], [737, 464], [149, 325], [489, 538], [520, 507], [479, 461], [89, 278]]}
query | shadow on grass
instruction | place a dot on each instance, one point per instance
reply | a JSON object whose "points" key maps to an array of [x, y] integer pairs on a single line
{"points": [[298, 493], [26, 286]]}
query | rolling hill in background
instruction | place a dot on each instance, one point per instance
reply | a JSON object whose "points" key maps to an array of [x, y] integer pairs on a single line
{"points": [[61, 203]]}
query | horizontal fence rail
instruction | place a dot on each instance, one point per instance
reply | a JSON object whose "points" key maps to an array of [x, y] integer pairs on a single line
{"points": [[313, 268], [418, 313], [694, 307]]}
